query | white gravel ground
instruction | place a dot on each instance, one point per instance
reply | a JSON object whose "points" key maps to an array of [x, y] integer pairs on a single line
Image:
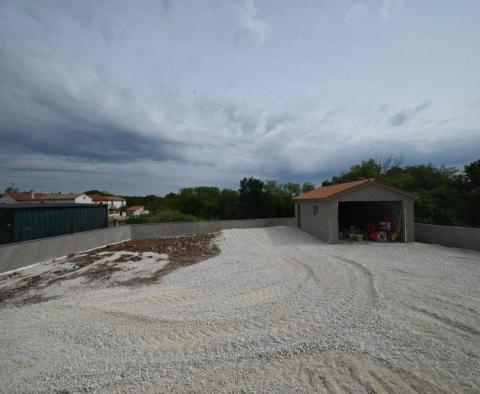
{"points": [[277, 310]]}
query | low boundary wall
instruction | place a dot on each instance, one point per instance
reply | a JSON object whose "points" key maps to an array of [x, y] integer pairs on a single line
{"points": [[458, 237], [145, 231], [21, 254]]}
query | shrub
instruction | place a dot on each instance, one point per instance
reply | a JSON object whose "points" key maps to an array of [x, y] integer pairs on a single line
{"points": [[163, 216]]}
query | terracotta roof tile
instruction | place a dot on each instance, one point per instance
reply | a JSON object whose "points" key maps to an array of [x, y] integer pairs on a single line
{"points": [[26, 196], [101, 197], [134, 208], [60, 196], [325, 192]]}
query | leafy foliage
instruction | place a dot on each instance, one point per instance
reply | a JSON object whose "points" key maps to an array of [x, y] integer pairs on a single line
{"points": [[444, 194], [254, 199], [165, 215]]}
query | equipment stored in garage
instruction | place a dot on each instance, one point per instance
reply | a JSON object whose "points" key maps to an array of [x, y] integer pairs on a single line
{"points": [[359, 210]]}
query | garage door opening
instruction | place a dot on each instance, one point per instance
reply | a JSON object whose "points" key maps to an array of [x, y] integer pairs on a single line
{"points": [[381, 221]]}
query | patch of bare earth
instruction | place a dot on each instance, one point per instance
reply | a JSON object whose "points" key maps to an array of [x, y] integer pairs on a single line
{"points": [[100, 264], [181, 251]]}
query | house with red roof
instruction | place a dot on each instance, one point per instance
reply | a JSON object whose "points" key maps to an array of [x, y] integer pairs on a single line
{"points": [[27, 197], [114, 203]]}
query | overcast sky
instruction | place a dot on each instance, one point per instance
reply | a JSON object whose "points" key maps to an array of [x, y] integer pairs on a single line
{"points": [[142, 97]]}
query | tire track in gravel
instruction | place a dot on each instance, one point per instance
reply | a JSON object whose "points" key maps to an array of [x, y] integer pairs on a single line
{"points": [[190, 338], [447, 322], [331, 372], [360, 279], [372, 293], [275, 319], [342, 287], [187, 337]]}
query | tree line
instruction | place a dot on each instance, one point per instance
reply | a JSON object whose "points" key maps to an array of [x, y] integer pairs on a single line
{"points": [[254, 199], [445, 195]]}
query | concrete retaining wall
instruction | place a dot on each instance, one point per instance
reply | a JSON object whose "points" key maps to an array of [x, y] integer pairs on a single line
{"points": [[458, 237], [145, 231], [21, 254]]}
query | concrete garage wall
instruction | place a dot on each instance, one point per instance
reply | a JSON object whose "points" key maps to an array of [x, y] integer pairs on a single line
{"points": [[145, 231], [458, 237], [319, 225], [21, 254]]}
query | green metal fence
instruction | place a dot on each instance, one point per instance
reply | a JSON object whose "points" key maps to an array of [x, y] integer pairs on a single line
{"points": [[26, 222]]}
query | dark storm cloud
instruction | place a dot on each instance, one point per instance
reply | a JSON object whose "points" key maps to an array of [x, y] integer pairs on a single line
{"points": [[405, 116], [62, 131], [95, 142], [53, 169], [39, 114]]}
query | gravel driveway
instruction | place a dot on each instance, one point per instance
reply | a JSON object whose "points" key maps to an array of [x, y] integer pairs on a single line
{"points": [[276, 310]]}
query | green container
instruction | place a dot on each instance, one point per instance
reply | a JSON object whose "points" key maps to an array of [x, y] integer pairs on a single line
{"points": [[23, 222]]}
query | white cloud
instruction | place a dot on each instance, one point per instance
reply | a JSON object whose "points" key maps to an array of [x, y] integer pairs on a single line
{"points": [[356, 13], [390, 7], [252, 26]]}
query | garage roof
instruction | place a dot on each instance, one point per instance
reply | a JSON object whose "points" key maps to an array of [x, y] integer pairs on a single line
{"points": [[327, 192]]}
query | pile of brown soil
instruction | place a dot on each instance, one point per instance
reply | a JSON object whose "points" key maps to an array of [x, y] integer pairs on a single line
{"points": [[181, 251]]}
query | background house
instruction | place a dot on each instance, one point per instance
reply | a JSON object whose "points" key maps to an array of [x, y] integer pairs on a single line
{"points": [[136, 210], [75, 198], [29, 197], [114, 203], [21, 197]]}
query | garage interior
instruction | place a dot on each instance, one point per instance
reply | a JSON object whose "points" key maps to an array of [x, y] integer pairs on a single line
{"points": [[371, 220]]}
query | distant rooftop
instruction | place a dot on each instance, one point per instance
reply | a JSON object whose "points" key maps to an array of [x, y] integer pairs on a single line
{"points": [[34, 196], [101, 197], [26, 196], [39, 204], [61, 196], [134, 208]]}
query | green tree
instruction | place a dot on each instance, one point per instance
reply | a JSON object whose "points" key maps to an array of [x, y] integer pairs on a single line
{"points": [[252, 198], [199, 201], [229, 204], [11, 189], [307, 187], [471, 189], [293, 189], [365, 170], [443, 195], [472, 171]]}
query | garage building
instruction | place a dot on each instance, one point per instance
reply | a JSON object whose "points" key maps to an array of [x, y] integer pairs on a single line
{"points": [[364, 207]]}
